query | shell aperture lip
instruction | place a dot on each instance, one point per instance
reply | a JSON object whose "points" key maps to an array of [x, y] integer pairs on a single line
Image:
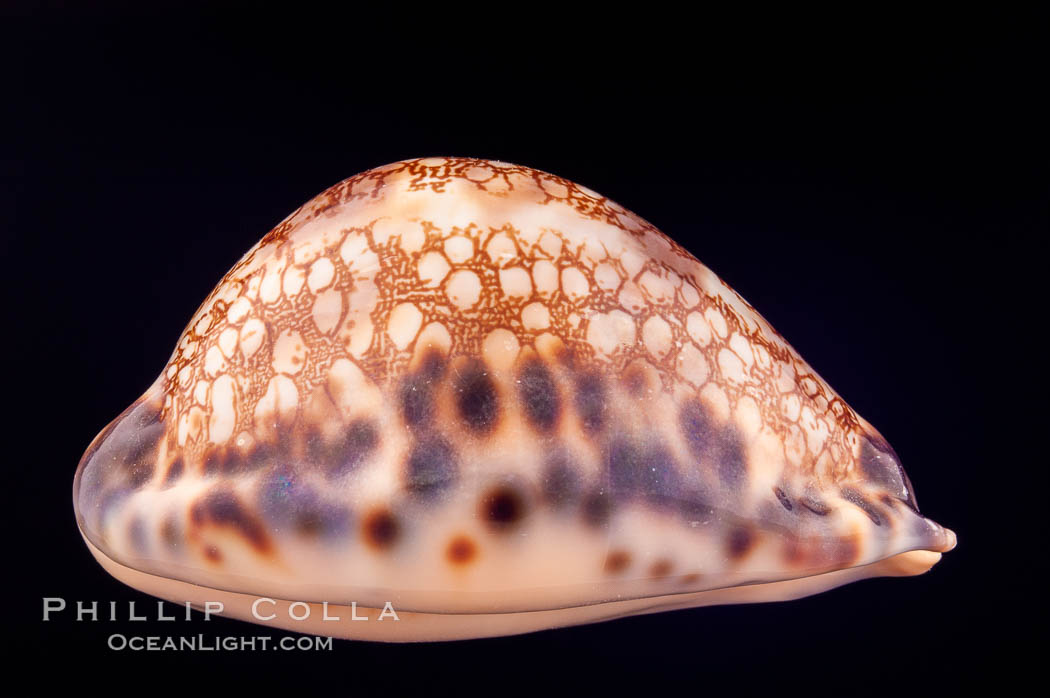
{"points": [[478, 388]]}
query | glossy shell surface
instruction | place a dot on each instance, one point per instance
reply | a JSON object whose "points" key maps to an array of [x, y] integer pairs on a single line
{"points": [[499, 402]]}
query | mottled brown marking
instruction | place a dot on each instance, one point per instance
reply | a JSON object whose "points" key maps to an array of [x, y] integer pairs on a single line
{"points": [[617, 561], [212, 553], [477, 398], [590, 400], [461, 550], [739, 542], [858, 500], [716, 447], [309, 522], [597, 508], [794, 552], [661, 568], [844, 551], [432, 468], [174, 472], [221, 507], [431, 364], [417, 391], [693, 506], [214, 462], [396, 282], [697, 426], [344, 453], [169, 533], [633, 460], [815, 505], [539, 395], [223, 460], [644, 470], [732, 463], [691, 578], [561, 483], [636, 381]]}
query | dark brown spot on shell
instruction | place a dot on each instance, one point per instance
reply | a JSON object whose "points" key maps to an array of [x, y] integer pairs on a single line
{"points": [[782, 498], [212, 553], [502, 508], [461, 550], [381, 529], [617, 561], [539, 395], [690, 579]]}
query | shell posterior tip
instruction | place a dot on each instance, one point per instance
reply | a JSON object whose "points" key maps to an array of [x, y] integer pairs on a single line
{"points": [[951, 540]]}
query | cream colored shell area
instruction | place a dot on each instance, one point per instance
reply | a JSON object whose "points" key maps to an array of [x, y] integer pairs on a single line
{"points": [[335, 619], [485, 259]]}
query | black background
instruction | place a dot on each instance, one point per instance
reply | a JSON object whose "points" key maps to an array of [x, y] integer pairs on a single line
{"points": [[873, 185]]}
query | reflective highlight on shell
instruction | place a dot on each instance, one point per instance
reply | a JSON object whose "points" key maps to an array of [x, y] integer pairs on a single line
{"points": [[500, 402]]}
